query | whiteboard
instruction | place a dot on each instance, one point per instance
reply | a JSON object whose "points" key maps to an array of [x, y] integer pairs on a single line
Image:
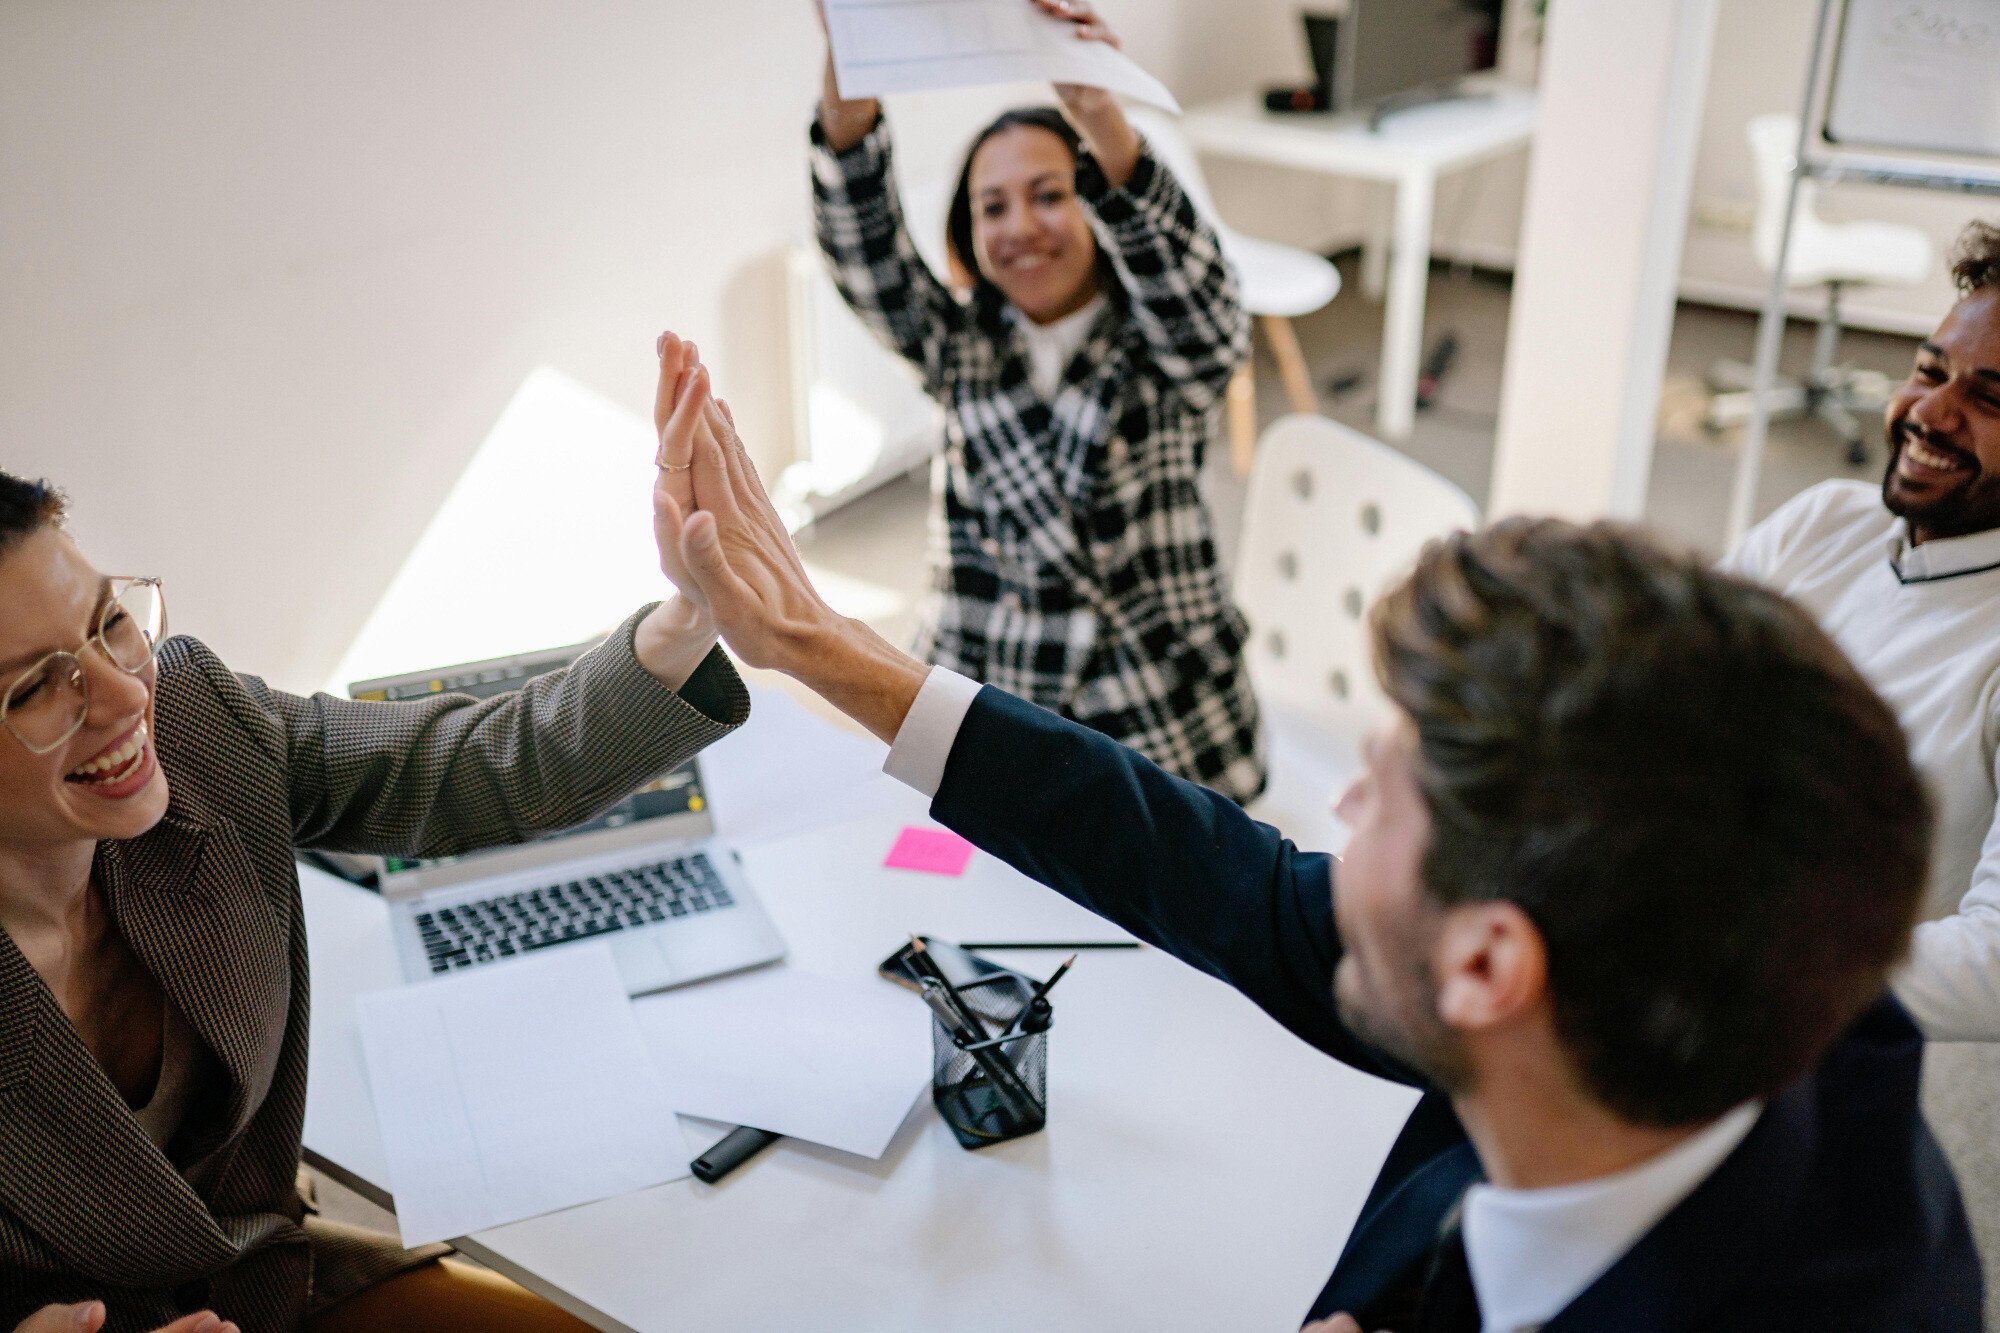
{"points": [[1918, 74]]}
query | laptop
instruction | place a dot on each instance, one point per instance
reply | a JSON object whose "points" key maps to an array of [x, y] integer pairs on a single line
{"points": [[647, 876]]}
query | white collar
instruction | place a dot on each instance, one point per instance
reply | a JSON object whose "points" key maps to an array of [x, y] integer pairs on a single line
{"points": [[1532, 1252], [1942, 557]]}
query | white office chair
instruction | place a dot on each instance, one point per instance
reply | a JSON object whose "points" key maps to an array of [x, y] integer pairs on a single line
{"points": [[1834, 255], [1332, 518], [1280, 283]]}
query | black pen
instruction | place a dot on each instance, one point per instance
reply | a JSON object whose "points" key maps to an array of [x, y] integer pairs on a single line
{"points": [[1071, 945]]}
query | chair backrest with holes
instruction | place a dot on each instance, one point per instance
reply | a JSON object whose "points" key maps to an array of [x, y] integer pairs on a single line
{"points": [[1333, 518]]}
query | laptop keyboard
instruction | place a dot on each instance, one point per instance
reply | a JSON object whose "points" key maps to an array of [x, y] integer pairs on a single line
{"points": [[516, 923]]}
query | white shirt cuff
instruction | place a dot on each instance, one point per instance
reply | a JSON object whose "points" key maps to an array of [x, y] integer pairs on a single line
{"points": [[923, 743]]}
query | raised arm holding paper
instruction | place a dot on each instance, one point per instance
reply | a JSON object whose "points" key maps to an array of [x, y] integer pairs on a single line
{"points": [[1089, 329], [1610, 901]]}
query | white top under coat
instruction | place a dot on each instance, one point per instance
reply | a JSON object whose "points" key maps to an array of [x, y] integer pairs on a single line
{"points": [[1050, 346]]}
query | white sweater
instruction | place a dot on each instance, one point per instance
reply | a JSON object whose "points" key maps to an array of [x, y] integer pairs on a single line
{"points": [[1923, 624]]}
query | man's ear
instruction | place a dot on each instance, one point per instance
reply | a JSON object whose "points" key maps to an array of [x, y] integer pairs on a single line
{"points": [[1491, 966]]}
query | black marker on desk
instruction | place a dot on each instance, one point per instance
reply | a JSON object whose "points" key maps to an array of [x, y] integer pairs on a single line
{"points": [[732, 1150]]}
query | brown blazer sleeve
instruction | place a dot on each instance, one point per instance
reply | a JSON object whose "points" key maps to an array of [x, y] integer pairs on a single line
{"points": [[450, 774]]}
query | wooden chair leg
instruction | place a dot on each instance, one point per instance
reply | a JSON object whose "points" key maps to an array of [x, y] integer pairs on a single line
{"points": [[1242, 400], [1291, 363]]}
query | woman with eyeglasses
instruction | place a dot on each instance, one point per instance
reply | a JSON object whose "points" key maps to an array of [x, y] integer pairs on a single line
{"points": [[153, 985], [1090, 331]]}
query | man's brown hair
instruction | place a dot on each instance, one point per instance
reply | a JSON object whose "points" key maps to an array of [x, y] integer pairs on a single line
{"points": [[1706, 811], [1975, 258]]}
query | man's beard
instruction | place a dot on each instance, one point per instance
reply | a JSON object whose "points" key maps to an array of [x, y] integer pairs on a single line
{"points": [[1405, 1026], [1973, 506]]}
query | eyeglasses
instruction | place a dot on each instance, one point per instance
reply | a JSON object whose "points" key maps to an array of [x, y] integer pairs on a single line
{"points": [[45, 705]]}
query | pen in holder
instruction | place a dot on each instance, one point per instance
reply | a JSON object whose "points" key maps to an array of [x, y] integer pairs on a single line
{"points": [[991, 1089]]}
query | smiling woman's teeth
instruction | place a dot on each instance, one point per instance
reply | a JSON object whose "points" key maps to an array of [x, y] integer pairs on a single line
{"points": [[114, 767]]}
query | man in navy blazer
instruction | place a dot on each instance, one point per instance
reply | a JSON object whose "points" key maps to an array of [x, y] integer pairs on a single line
{"points": [[1628, 870]]}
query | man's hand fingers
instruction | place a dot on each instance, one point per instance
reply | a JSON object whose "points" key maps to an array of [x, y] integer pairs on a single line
{"points": [[84, 1317], [716, 485], [668, 520], [1339, 1323], [701, 550]]}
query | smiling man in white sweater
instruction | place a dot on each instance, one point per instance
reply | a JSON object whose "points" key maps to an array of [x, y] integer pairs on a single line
{"points": [[1907, 580]]}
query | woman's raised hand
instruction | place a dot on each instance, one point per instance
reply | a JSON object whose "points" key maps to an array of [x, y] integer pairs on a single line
{"points": [[674, 482], [1095, 111], [844, 121], [1090, 25]]}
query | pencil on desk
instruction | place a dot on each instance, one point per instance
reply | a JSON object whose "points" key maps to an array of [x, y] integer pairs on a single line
{"points": [[1071, 945]]}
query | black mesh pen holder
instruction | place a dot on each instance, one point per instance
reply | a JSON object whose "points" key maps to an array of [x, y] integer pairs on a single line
{"points": [[997, 1089]]}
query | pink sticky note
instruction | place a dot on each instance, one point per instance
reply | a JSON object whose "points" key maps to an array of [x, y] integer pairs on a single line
{"points": [[935, 850]]}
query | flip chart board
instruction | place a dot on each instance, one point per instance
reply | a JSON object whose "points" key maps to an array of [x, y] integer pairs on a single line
{"points": [[1918, 74]]}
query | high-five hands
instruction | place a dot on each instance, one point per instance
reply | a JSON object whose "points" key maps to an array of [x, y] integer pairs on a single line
{"points": [[725, 548], [721, 540]]}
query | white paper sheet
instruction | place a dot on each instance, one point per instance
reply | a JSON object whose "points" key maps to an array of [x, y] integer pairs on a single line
{"points": [[828, 1061], [904, 46], [514, 1090], [785, 771]]}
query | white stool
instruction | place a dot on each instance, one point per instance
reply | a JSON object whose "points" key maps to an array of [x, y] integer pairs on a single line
{"points": [[1829, 254]]}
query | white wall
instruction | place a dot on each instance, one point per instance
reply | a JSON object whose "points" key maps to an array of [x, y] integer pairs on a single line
{"points": [[270, 272]]}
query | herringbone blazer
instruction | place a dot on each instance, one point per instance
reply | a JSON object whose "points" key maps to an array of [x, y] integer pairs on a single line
{"points": [[90, 1208]]}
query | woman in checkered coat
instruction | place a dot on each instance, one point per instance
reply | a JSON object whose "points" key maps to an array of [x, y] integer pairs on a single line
{"points": [[1074, 562], [153, 965]]}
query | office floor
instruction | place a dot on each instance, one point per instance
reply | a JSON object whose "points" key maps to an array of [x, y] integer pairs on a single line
{"points": [[869, 555]]}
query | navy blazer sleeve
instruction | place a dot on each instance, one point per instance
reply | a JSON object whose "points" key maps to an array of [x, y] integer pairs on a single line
{"points": [[1174, 863]]}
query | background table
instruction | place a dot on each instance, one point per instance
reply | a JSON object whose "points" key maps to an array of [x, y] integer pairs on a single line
{"points": [[1411, 150], [1201, 1167]]}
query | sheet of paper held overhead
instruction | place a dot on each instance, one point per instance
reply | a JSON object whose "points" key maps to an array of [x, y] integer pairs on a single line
{"points": [[829, 1061], [906, 46], [515, 1090]]}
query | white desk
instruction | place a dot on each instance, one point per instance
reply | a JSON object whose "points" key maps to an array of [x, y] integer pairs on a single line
{"points": [[1201, 1167], [1412, 149]]}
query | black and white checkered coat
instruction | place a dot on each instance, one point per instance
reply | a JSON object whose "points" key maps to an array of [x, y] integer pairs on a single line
{"points": [[1074, 562], [90, 1207]]}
